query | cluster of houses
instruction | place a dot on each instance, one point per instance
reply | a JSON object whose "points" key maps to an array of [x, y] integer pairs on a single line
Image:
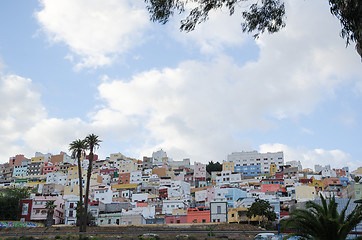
{"points": [[159, 190]]}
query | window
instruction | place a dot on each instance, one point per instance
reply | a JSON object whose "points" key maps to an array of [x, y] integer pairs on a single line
{"points": [[233, 215], [204, 220], [109, 221], [71, 205], [71, 213], [218, 209]]}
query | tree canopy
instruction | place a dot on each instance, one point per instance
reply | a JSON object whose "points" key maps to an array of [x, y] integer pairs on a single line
{"points": [[213, 167], [261, 208], [10, 202], [257, 16]]}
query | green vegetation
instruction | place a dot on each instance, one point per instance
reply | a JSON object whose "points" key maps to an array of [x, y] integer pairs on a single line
{"points": [[213, 167], [258, 16], [263, 209], [10, 202], [323, 222]]}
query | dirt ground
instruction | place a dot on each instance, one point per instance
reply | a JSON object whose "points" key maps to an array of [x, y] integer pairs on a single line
{"points": [[179, 231]]}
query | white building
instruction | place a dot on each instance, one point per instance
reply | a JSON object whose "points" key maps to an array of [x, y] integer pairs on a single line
{"points": [[158, 157], [297, 164], [169, 205], [228, 178], [139, 197], [103, 194], [179, 190], [259, 162], [136, 177], [57, 178], [70, 215], [19, 171]]}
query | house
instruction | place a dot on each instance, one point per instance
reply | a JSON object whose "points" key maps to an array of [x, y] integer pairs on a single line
{"points": [[36, 210], [103, 193], [198, 215], [199, 171], [305, 193], [169, 205], [56, 178], [218, 212], [70, 215]]}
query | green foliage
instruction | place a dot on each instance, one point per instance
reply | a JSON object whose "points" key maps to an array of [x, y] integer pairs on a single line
{"points": [[257, 16], [261, 208], [349, 12], [10, 202], [357, 179], [323, 221], [213, 167]]}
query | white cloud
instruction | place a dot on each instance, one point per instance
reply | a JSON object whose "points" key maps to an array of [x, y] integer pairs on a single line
{"points": [[201, 108], [20, 108], [96, 31], [309, 157], [212, 37]]}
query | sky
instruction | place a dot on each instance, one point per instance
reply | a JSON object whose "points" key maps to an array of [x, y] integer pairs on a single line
{"points": [[73, 67]]}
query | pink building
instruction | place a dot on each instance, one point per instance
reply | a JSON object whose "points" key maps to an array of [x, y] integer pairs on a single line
{"points": [[199, 171], [36, 211], [49, 167], [210, 194], [171, 219]]}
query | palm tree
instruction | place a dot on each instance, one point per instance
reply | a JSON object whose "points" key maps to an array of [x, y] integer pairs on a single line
{"points": [[77, 148], [50, 214], [323, 222], [92, 144]]}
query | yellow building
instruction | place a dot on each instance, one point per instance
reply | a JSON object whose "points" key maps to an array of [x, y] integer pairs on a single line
{"points": [[170, 174], [317, 184], [273, 169], [237, 215], [37, 159], [228, 166]]}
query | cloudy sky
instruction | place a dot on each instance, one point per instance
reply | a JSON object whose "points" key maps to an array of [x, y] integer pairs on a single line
{"points": [[73, 67]]}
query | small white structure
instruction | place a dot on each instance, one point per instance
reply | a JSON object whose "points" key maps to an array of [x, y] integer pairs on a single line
{"points": [[169, 205]]}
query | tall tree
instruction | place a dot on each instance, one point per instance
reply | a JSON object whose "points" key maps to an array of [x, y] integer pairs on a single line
{"points": [[323, 222], [50, 206], [263, 209], [259, 16], [10, 202], [77, 148], [92, 144]]}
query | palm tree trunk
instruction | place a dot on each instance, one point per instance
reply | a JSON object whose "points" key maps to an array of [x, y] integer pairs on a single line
{"points": [[49, 221], [81, 212], [89, 173]]}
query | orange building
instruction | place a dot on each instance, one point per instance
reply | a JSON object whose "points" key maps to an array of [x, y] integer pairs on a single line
{"points": [[124, 178], [198, 215], [161, 172], [332, 180]]}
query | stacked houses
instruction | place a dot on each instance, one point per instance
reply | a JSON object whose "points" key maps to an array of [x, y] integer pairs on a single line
{"points": [[160, 190]]}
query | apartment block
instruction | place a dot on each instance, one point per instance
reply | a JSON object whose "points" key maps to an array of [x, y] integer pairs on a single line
{"points": [[254, 163]]}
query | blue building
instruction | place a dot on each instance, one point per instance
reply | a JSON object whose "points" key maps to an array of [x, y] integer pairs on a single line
{"points": [[249, 170]]}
